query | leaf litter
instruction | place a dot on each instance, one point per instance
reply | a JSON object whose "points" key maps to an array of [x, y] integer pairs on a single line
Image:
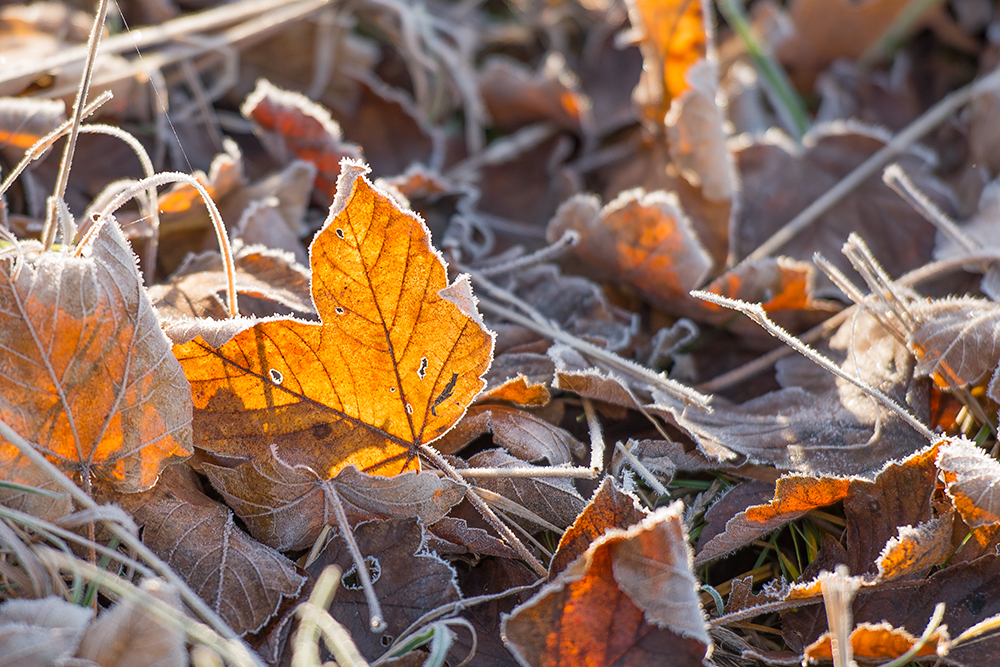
{"points": [[439, 330]]}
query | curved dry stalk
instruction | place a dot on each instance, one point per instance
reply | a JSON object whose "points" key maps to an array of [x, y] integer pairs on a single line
{"points": [[66, 163], [234, 651], [897, 179], [213, 212], [46, 142], [152, 208], [315, 621]]}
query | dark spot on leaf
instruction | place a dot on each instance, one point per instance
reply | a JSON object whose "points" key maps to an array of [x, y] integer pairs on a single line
{"points": [[321, 431], [976, 602], [446, 394]]}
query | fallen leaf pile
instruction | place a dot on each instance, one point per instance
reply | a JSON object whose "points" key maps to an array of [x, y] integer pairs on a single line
{"points": [[599, 332]]}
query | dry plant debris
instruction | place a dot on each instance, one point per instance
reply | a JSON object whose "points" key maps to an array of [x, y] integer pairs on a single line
{"points": [[442, 333]]}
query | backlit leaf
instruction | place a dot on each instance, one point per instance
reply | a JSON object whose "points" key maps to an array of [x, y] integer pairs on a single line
{"points": [[397, 358], [85, 372], [972, 478]]}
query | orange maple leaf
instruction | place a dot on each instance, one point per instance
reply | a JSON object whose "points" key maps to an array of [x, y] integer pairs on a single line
{"points": [[398, 356]]}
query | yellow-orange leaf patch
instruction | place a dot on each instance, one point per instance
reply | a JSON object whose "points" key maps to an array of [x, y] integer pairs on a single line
{"points": [[394, 363]]}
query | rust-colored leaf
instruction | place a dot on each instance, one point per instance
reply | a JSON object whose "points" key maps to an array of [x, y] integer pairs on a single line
{"points": [[794, 495], [673, 36], [877, 642], [609, 508], [286, 507], [297, 125], [630, 599], [641, 238], [397, 358], [85, 372], [972, 478]]}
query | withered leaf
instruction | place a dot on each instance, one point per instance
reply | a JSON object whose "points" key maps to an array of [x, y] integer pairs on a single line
{"points": [[286, 507], [916, 549], [455, 536], [397, 358], [85, 372], [641, 238], [516, 96], [242, 580], [630, 599], [957, 342], [877, 642], [408, 581], [296, 126], [267, 281], [610, 507], [522, 434], [552, 498], [971, 476]]}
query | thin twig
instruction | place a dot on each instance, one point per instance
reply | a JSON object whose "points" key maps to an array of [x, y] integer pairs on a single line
{"points": [[757, 314], [896, 178], [376, 622], [640, 468], [476, 501], [596, 437]]}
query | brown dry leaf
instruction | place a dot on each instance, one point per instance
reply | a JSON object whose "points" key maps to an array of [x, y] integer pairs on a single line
{"points": [[408, 581], [971, 477], [286, 507], [644, 239], [673, 36], [40, 632], [877, 642], [85, 372], [23, 122], [630, 599], [128, 635], [610, 507], [268, 282], [242, 580], [813, 45], [524, 435], [818, 423], [957, 342], [898, 234], [455, 536], [515, 96], [397, 358], [554, 499], [385, 122], [296, 126]]}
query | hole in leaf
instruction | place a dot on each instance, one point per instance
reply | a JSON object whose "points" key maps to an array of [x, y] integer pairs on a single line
{"points": [[276, 376], [350, 579], [422, 371], [338, 310], [386, 640], [340, 233]]}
